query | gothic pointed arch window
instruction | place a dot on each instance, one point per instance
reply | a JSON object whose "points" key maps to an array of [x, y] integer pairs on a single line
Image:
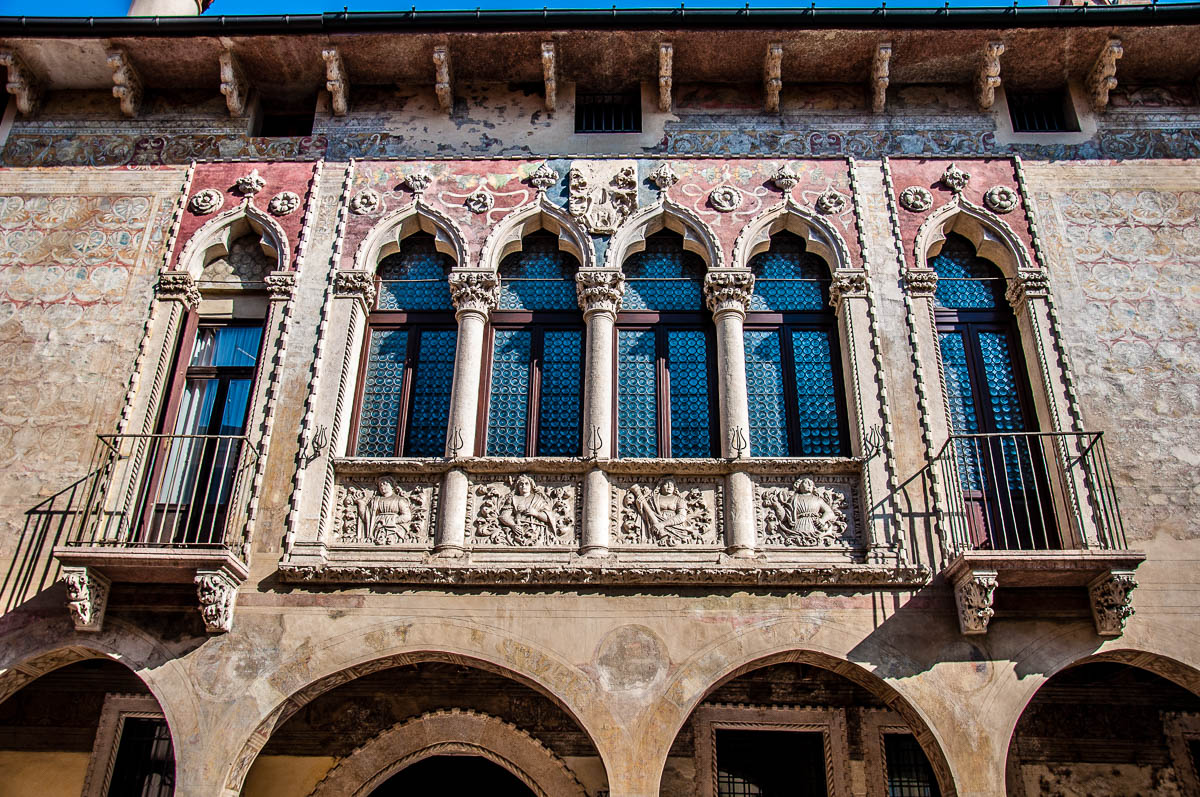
{"points": [[408, 363], [534, 405], [793, 362], [666, 391]]}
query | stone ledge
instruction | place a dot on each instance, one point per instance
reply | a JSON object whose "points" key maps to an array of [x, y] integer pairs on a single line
{"points": [[771, 466], [1070, 568]]}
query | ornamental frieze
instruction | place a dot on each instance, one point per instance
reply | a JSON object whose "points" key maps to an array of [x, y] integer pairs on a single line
{"points": [[523, 512], [667, 513], [382, 512]]}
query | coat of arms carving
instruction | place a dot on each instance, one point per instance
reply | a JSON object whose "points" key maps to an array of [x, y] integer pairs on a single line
{"points": [[602, 194]]}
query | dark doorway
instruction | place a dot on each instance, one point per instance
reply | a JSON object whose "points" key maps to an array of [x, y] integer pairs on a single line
{"points": [[770, 764], [453, 776]]}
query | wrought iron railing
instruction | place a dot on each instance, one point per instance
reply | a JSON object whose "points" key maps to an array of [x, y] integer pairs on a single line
{"points": [[166, 491], [1029, 491]]}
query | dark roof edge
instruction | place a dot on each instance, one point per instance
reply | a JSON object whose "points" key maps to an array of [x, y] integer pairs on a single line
{"points": [[616, 19]]}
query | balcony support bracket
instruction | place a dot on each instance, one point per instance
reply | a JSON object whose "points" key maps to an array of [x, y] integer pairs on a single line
{"points": [[217, 591], [974, 591], [87, 596], [1111, 596]]}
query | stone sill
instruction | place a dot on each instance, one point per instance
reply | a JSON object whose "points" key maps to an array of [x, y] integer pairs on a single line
{"points": [[1071, 568], [653, 466]]}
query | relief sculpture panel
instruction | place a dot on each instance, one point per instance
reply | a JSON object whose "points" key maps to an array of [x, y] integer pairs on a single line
{"points": [[383, 512], [805, 514], [523, 513], [669, 513]]}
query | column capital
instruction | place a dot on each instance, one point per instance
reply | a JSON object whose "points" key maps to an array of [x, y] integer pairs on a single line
{"points": [[474, 291], [728, 291], [599, 291], [1026, 285], [920, 281], [177, 286], [357, 284], [847, 284]]}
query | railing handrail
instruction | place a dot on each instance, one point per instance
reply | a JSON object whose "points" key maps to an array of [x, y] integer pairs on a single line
{"points": [[1096, 437], [245, 438]]}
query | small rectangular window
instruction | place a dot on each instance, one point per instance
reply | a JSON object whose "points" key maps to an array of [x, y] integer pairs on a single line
{"points": [[751, 763], [908, 770], [1041, 112], [145, 763], [608, 113], [275, 124]]}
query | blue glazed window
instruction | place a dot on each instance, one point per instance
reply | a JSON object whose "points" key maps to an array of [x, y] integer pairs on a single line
{"points": [[561, 394], [383, 390], [508, 413], [543, 367], [664, 277], [965, 280], [433, 373], [819, 420], [789, 279], [637, 392], [764, 391], [687, 369], [415, 277], [539, 277]]}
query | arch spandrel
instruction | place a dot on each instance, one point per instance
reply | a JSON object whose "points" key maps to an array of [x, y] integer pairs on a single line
{"points": [[385, 237], [215, 239], [820, 237], [541, 214], [698, 236]]}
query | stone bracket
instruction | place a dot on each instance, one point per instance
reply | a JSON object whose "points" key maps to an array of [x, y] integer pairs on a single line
{"points": [[989, 75], [21, 83], [443, 78], [87, 596], [217, 591], [772, 77], [127, 85], [880, 71], [974, 591], [234, 85], [1111, 596], [337, 80], [550, 74], [666, 63], [1103, 77]]}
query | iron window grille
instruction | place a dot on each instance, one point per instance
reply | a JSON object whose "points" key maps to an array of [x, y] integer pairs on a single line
{"points": [[608, 113], [908, 771], [1042, 112]]}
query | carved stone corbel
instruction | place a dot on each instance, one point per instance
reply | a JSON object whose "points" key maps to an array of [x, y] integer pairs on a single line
{"points": [[337, 81], [666, 65], [443, 78], [1111, 596], [21, 83], [177, 286], [357, 284], [1027, 284], [599, 291], [127, 85], [728, 291], [1103, 78], [920, 282], [847, 284], [233, 84], [974, 591], [280, 285], [550, 74], [880, 70], [217, 592], [989, 75], [87, 596], [772, 77], [474, 291]]}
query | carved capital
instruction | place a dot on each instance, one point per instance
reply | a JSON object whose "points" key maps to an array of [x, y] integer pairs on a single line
{"points": [[127, 86], [21, 83], [474, 291], [1103, 77], [216, 591], [728, 291], [337, 81], [280, 285], [234, 85], [1111, 596], [87, 597], [974, 591], [921, 282], [599, 291], [1027, 285], [989, 75], [357, 284], [177, 286], [846, 285]]}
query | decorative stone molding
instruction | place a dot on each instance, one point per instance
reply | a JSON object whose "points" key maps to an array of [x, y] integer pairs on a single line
{"points": [[599, 291], [479, 201], [337, 80], [283, 203], [974, 591], [249, 184], [989, 75], [21, 83], [443, 78], [665, 516], [725, 198], [280, 285], [602, 194], [358, 284], [521, 513], [846, 284], [473, 290], [666, 61], [418, 182], [920, 282], [209, 200], [543, 178], [217, 593], [772, 77], [177, 286], [550, 75], [366, 202], [820, 237], [234, 85], [955, 178], [1111, 596], [389, 230], [830, 202], [1103, 77], [728, 291], [880, 67], [664, 177], [1001, 199], [785, 178], [382, 513], [117, 708], [127, 85], [87, 596], [698, 235], [1025, 285], [804, 515], [916, 199]]}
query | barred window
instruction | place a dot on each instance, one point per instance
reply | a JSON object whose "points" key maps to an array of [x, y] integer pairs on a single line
{"points": [[908, 771]]}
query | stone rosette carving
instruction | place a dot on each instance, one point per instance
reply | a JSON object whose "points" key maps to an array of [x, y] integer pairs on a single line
{"points": [[1001, 199], [955, 178], [916, 199], [365, 202], [601, 195], [283, 203], [664, 515], [418, 182], [853, 283], [474, 290], [280, 285], [216, 592], [206, 201], [785, 178], [663, 176], [831, 203], [974, 592], [543, 178], [804, 516], [479, 201], [730, 290], [355, 283], [177, 286], [921, 282], [382, 513], [1112, 596], [725, 198], [599, 291], [87, 597], [249, 184], [523, 514]]}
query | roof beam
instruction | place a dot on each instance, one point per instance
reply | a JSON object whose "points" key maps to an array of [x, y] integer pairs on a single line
{"points": [[337, 81], [234, 84], [772, 77], [1103, 78], [550, 74], [988, 79], [880, 70], [443, 78], [666, 66], [21, 83], [127, 85]]}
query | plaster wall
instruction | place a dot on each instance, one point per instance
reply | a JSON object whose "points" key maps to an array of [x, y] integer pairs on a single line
{"points": [[51, 774]]}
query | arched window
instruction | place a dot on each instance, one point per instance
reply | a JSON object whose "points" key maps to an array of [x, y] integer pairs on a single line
{"points": [[793, 363], [666, 393], [535, 403], [409, 362]]}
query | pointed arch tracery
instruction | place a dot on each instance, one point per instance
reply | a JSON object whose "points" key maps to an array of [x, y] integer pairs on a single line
{"points": [[819, 237], [386, 236], [216, 238], [541, 214], [698, 236]]}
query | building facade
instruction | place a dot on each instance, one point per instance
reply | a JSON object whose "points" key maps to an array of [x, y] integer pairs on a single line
{"points": [[640, 403]]}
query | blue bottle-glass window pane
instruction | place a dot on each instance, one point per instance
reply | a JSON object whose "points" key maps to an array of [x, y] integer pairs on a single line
{"points": [[960, 397], [820, 422], [637, 384], [220, 347], [687, 364], [764, 389], [415, 277], [1005, 405], [559, 414], [664, 277], [788, 279], [381, 393], [539, 277], [434, 371], [508, 411], [966, 281]]}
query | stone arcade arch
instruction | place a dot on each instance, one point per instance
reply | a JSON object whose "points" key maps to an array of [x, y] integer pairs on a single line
{"points": [[385, 237], [540, 214]]}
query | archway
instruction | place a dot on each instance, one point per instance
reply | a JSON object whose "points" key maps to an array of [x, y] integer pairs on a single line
{"points": [[1106, 727], [476, 774]]}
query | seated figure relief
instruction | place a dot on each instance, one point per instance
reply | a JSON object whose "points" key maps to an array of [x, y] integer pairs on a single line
{"points": [[804, 515], [665, 516], [385, 515], [524, 514]]}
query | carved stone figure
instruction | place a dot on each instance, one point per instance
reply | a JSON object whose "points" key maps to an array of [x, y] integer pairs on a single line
{"points": [[805, 516], [785, 178], [418, 182], [284, 202], [365, 201], [543, 178], [1001, 199], [916, 199], [216, 592], [602, 195], [207, 201], [664, 516], [480, 201], [664, 176], [249, 184], [725, 198], [386, 515], [523, 515], [955, 178]]}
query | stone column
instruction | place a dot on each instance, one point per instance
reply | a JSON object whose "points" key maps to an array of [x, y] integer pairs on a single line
{"points": [[599, 295], [474, 295], [728, 295]]}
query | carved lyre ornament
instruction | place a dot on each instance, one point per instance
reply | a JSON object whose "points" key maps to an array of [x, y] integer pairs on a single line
{"points": [[523, 514]]}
